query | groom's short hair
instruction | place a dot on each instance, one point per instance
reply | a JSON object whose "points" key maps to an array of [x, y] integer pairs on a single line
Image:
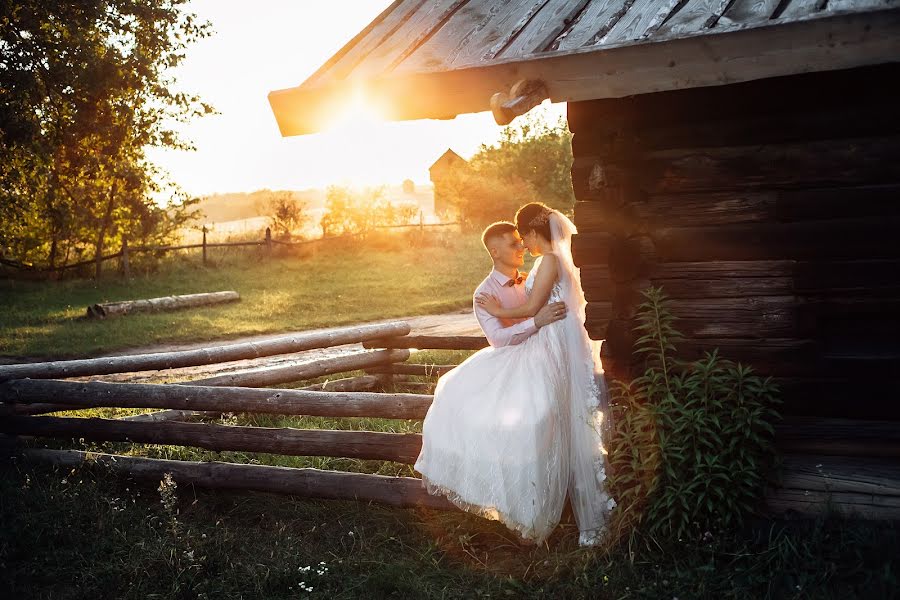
{"points": [[495, 231]]}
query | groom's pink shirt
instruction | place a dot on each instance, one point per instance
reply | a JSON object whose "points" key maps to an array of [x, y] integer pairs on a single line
{"points": [[503, 332]]}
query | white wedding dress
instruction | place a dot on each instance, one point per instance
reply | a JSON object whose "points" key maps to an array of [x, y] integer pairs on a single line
{"points": [[513, 429]]}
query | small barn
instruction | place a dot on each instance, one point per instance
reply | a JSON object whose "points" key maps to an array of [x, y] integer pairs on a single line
{"points": [[743, 154], [444, 167]]}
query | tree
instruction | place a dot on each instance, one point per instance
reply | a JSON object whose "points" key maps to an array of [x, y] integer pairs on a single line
{"points": [[534, 151], [358, 212], [286, 213], [84, 91]]}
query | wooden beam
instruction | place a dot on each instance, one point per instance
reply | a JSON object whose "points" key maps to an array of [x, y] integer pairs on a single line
{"points": [[838, 437], [431, 342], [327, 366], [219, 399], [851, 486], [820, 43], [202, 356], [367, 445], [404, 492]]}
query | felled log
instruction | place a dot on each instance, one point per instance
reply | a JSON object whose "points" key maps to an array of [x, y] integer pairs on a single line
{"points": [[221, 399], [307, 483], [327, 366], [855, 487], [201, 356], [431, 342], [367, 445], [125, 307]]}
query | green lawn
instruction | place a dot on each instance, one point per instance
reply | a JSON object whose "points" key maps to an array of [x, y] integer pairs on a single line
{"points": [[332, 283]]}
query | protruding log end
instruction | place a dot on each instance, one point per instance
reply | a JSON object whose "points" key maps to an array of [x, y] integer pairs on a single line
{"points": [[524, 95]]}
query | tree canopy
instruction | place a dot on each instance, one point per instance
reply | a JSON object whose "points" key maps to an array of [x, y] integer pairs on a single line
{"points": [[85, 88]]}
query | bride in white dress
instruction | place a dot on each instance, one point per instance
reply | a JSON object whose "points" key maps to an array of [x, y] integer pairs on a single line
{"points": [[512, 430]]}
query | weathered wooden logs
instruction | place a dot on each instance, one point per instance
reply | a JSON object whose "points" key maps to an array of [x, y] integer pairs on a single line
{"points": [[286, 374], [220, 399], [368, 445], [201, 356], [307, 483], [126, 307], [852, 486], [838, 437], [430, 342]]}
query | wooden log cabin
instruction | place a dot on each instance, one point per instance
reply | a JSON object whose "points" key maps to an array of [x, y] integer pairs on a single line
{"points": [[742, 154]]}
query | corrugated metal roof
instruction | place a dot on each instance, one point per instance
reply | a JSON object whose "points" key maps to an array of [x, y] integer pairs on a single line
{"points": [[440, 58]]}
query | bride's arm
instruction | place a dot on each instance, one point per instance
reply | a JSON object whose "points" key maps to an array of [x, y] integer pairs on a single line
{"points": [[540, 293]]}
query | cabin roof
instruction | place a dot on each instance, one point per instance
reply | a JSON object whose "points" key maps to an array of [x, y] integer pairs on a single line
{"points": [[440, 58], [446, 161]]}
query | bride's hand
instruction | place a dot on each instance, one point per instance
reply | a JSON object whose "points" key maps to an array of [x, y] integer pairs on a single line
{"points": [[488, 303]]}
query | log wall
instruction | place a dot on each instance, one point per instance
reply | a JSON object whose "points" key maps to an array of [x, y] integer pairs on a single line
{"points": [[769, 212]]}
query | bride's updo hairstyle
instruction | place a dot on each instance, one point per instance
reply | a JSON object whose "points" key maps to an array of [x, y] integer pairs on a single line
{"points": [[534, 216]]}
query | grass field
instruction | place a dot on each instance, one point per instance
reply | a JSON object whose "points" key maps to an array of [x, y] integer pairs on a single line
{"points": [[83, 533], [331, 283]]}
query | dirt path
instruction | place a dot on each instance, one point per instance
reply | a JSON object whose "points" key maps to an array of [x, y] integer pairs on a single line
{"points": [[457, 323]]}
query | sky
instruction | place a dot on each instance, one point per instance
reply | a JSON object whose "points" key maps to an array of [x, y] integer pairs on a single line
{"points": [[266, 45]]}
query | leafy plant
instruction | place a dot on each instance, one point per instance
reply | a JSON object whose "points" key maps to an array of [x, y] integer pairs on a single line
{"points": [[692, 441]]}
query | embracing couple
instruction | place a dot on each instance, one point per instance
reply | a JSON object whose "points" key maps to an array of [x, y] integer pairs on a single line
{"points": [[518, 426]]}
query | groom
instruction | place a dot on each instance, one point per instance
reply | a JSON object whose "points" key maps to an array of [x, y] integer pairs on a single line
{"points": [[505, 283]]}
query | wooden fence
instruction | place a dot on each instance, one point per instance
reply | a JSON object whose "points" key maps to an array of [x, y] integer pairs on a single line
{"points": [[848, 466], [268, 242]]}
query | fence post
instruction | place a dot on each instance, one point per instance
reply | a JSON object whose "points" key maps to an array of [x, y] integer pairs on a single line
{"points": [[421, 222], [204, 245], [124, 266], [268, 240]]}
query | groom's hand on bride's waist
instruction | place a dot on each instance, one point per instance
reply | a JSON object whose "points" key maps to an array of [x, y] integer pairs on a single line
{"points": [[550, 313]]}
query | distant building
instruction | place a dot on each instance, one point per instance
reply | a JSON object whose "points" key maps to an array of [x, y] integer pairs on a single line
{"points": [[448, 163]]}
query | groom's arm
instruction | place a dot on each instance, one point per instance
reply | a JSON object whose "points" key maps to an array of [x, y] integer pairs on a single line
{"points": [[497, 335]]}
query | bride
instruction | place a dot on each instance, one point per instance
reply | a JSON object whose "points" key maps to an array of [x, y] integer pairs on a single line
{"points": [[513, 429]]}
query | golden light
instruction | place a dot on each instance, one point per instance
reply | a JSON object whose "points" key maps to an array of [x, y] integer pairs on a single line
{"points": [[358, 112]]}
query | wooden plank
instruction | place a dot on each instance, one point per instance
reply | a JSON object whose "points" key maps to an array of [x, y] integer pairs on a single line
{"points": [[838, 437], [846, 504], [202, 356], [431, 342], [862, 161], [797, 9], [377, 32], [593, 23], [838, 203], [220, 399], [467, 35], [693, 17], [406, 39], [841, 474], [748, 12], [867, 238], [287, 374], [628, 69], [366, 445], [862, 276], [712, 208], [515, 31], [540, 32], [641, 21], [858, 5], [405, 492]]}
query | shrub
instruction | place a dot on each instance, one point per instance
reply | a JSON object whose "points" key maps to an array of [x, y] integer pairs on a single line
{"points": [[692, 441]]}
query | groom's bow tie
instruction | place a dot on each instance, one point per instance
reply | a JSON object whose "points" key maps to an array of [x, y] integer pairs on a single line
{"points": [[515, 280]]}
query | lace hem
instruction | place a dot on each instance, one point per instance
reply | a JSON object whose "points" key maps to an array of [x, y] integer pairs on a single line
{"points": [[490, 513]]}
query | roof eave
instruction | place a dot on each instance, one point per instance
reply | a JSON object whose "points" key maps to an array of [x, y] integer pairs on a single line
{"points": [[732, 55]]}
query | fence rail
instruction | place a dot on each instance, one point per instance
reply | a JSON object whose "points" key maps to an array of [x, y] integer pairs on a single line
{"points": [[828, 464], [126, 251]]}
